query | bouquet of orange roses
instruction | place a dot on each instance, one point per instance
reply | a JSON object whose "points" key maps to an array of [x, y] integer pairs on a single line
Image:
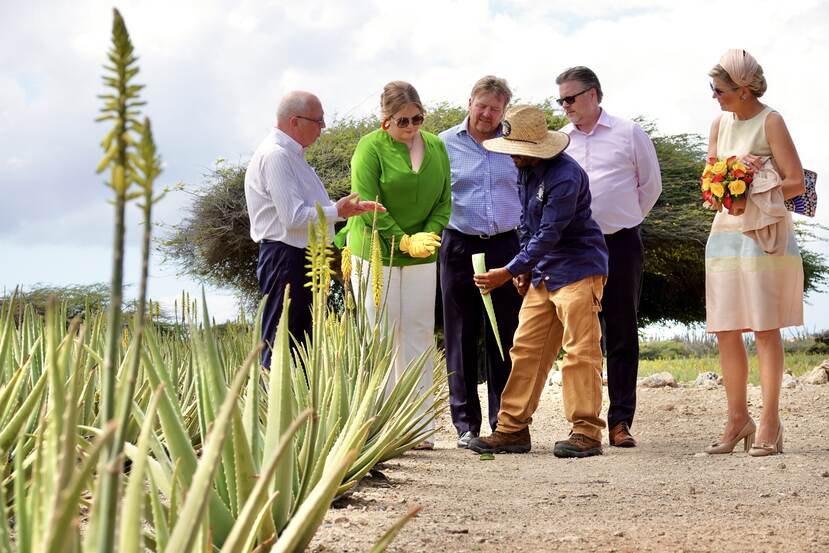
{"points": [[724, 181]]}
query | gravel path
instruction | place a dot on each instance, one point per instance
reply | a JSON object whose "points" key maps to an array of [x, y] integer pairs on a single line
{"points": [[662, 496]]}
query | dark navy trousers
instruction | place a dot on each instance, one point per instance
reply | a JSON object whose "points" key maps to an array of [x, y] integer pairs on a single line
{"points": [[281, 265], [464, 318], [620, 321]]}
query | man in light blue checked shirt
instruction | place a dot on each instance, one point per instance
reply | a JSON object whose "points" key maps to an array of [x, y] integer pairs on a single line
{"points": [[486, 210]]}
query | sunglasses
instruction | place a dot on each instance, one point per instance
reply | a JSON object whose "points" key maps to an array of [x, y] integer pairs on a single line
{"points": [[571, 99], [416, 121], [719, 92], [320, 121]]}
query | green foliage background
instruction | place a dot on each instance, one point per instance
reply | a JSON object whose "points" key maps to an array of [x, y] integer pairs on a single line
{"points": [[212, 243]]}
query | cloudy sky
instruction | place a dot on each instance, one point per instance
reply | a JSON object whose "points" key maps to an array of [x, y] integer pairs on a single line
{"points": [[215, 71]]}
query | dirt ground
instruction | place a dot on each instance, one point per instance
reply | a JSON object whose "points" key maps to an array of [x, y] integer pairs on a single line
{"points": [[664, 495]]}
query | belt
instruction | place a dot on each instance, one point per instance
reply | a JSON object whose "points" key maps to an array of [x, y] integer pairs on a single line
{"points": [[483, 236]]}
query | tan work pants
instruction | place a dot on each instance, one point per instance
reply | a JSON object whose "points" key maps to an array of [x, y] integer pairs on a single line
{"points": [[565, 318]]}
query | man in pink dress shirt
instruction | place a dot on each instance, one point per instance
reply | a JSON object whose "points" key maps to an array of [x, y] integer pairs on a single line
{"points": [[625, 183]]}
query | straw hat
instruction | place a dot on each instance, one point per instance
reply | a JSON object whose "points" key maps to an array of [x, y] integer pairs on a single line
{"points": [[525, 134]]}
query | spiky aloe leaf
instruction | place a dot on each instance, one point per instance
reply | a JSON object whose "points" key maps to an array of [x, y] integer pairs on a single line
{"points": [[310, 513], [160, 524], [280, 415], [129, 536], [186, 530], [245, 523], [70, 496], [479, 266], [23, 413], [5, 532]]}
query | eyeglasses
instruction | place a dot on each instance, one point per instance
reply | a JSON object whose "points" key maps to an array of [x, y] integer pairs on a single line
{"points": [[320, 121], [719, 92], [571, 99], [403, 122]]}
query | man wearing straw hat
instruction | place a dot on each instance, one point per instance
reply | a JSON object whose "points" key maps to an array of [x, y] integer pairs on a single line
{"points": [[561, 269]]}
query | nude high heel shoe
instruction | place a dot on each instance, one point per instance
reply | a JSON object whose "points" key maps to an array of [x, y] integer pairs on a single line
{"points": [[763, 449], [746, 434]]}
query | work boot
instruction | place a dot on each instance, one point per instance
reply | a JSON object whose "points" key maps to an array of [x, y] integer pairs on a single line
{"points": [[577, 445], [620, 436], [503, 442]]}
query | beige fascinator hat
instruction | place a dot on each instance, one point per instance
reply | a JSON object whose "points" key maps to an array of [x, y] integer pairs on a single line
{"points": [[525, 134]]}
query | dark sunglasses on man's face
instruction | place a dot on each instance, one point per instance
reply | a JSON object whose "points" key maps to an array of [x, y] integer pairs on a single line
{"points": [[403, 122], [570, 99]]}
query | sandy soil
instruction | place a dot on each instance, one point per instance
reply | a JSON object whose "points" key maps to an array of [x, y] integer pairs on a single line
{"points": [[662, 496]]}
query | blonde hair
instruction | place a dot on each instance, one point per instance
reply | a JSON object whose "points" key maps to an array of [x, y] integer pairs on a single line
{"points": [[757, 86], [492, 85], [395, 96]]}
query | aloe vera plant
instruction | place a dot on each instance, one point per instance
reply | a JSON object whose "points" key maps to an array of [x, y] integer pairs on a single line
{"points": [[479, 266], [223, 455]]}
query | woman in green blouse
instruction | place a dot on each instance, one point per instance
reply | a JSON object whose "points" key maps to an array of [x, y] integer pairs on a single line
{"points": [[408, 170]]}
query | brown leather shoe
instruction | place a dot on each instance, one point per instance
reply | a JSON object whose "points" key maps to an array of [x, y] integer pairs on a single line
{"points": [[620, 436], [577, 445], [503, 442]]}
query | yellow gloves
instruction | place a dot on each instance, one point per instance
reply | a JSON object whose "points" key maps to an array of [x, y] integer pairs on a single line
{"points": [[421, 244]]}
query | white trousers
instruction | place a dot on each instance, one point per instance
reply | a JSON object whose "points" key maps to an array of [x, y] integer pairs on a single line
{"points": [[409, 299]]}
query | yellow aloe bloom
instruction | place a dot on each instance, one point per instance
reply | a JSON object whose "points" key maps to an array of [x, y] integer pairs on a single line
{"points": [[737, 187], [376, 270], [720, 168], [717, 189], [345, 263]]}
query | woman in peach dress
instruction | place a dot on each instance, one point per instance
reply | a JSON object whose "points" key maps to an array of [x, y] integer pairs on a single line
{"points": [[753, 269]]}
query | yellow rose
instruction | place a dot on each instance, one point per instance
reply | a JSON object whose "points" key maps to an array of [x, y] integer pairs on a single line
{"points": [[706, 184], [737, 187], [720, 168], [739, 166], [717, 189]]}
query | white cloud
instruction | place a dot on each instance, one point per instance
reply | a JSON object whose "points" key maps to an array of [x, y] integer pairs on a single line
{"points": [[215, 71]]}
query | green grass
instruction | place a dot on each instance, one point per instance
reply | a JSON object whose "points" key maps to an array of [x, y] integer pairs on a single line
{"points": [[686, 369]]}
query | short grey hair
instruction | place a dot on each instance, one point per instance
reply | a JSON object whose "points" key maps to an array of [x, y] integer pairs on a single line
{"points": [[296, 102], [585, 76], [491, 84]]}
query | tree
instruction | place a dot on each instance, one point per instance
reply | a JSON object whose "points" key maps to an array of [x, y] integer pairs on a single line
{"points": [[212, 242]]}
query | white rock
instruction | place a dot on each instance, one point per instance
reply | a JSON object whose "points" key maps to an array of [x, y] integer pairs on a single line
{"points": [[707, 380], [818, 375], [659, 380], [789, 381], [554, 377]]}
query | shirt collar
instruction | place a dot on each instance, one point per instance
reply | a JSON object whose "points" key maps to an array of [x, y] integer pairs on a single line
{"points": [[463, 128], [603, 121], [282, 139]]}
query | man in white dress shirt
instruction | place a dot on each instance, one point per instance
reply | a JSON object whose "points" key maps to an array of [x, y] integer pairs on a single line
{"points": [[625, 183], [281, 191]]}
